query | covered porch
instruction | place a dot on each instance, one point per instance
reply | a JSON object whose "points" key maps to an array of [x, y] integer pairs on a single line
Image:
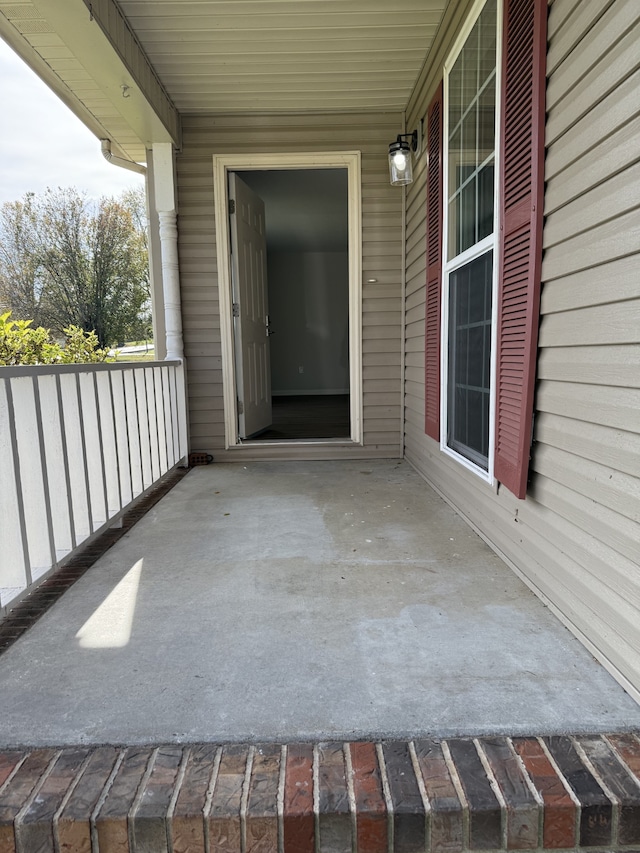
{"points": [[301, 654], [287, 601], [307, 656]]}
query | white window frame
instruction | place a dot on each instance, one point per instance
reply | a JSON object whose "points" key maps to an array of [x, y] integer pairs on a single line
{"points": [[475, 251]]}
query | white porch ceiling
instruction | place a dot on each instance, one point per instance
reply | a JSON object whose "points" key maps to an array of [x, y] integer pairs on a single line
{"points": [[219, 56], [286, 55]]}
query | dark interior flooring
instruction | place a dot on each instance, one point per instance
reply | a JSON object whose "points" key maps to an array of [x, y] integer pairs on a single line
{"points": [[308, 417]]}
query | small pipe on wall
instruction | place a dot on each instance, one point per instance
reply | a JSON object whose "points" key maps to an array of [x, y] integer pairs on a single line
{"points": [[120, 161]]}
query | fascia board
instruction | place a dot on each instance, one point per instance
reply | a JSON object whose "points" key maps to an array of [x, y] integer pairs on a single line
{"points": [[71, 20]]}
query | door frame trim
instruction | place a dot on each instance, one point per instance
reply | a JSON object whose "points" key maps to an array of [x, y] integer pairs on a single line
{"points": [[222, 165]]}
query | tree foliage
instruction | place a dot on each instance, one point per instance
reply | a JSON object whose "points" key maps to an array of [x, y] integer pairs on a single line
{"points": [[22, 344], [20, 272], [67, 261]]}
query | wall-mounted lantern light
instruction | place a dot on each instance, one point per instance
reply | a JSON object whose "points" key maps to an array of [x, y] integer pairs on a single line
{"points": [[400, 159]]}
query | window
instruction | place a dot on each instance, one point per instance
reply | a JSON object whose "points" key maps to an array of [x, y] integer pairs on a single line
{"points": [[468, 362], [483, 281], [469, 238]]}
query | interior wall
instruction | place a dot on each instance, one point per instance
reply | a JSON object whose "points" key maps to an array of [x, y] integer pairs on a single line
{"points": [[309, 314]]}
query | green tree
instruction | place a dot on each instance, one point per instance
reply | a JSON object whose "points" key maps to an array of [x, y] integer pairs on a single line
{"points": [[86, 263], [21, 285]]}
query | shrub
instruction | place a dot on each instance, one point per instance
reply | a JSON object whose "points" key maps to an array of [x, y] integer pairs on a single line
{"points": [[22, 344]]}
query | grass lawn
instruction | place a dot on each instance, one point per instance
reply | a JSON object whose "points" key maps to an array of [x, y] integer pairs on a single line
{"points": [[136, 356]]}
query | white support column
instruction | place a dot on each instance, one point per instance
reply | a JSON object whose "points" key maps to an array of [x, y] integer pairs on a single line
{"points": [[155, 265], [165, 203], [164, 193]]}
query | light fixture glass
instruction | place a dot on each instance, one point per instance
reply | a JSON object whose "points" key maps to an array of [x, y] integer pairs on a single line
{"points": [[400, 164], [400, 159]]}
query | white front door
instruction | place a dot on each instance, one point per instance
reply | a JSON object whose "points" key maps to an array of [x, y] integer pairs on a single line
{"points": [[250, 307]]}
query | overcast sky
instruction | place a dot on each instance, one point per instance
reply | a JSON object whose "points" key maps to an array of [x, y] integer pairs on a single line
{"points": [[43, 144]]}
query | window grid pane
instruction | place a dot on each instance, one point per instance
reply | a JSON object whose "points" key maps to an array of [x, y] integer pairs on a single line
{"points": [[471, 136], [469, 359]]}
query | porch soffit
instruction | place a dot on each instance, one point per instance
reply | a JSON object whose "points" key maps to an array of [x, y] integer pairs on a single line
{"points": [[220, 56], [87, 57]]}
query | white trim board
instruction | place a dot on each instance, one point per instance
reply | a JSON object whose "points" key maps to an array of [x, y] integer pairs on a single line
{"points": [[222, 165]]}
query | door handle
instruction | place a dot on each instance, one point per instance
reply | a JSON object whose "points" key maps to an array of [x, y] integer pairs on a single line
{"points": [[268, 328]]}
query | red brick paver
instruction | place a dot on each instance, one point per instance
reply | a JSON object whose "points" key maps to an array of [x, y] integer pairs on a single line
{"points": [[299, 822], [559, 823], [224, 823], [74, 821], [446, 811], [112, 819], [395, 797], [522, 807], [371, 810], [17, 790], [187, 817], [334, 817], [262, 805]]}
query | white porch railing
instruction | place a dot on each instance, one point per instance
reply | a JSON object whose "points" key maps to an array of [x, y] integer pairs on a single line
{"points": [[78, 443]]}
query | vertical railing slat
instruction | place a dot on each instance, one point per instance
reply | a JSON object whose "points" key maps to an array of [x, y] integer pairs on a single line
{"points": [[83, 440], [55, 460], [135, 448], [147, 407], [115, 440], [165, 403], [65, 455], [110, 471], [75, 460], [101, 447], [93, 446], [43, 471], [156, 468], [127, 422], [174, 415], [140, 383], [27, 426], [170, 430], [182, 411], [18, 481], [161, 421]]}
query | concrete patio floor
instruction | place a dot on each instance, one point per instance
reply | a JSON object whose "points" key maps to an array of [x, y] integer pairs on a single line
{"points": [[291, 601]]}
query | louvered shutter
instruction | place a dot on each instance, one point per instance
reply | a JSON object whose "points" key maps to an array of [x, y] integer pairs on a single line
{"points": [[434, 266], [520, 239]]}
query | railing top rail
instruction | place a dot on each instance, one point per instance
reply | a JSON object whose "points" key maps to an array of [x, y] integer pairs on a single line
{"points": [[48, 369]]}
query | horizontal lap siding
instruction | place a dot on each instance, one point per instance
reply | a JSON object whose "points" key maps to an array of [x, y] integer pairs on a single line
{"points": [[575, 537], [205, 136]]}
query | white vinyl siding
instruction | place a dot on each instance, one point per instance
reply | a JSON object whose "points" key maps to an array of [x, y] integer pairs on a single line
{"points": [[575, 537], [381, 260]]}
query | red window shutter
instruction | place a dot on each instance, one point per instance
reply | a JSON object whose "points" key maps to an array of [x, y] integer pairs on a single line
{"points": [[520, 244], [434, 266]]}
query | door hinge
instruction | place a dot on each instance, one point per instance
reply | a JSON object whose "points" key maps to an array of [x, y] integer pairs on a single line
{"points": [[236, 309], [240, 407], [232, 205]]}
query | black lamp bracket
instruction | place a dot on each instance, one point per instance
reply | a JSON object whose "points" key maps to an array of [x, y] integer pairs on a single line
{"points": [[415, 139]]}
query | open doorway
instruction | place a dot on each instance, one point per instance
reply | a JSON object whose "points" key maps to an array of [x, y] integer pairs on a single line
{"points": [[293, 336], [306, 237]]}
